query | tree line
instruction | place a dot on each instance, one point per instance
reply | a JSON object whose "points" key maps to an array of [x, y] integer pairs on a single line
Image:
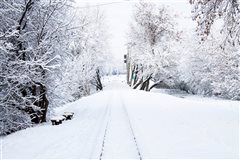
{"points": [[205, 61], [50, 54]]}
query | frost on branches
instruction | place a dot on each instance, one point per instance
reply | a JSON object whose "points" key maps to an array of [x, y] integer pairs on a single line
{"points": [[219, 53], [150, 52], [87, 54], [206, 12], [43, 48], [28, 32]]}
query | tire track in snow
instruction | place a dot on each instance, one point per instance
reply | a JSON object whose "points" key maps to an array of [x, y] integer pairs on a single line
{"points": [[106, 128], [130, 125], [100, 123]]}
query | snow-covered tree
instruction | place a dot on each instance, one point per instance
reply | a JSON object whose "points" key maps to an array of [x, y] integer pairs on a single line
{"points": [[151, 35], [30, 32], [87, 55], [218, 56], [48, 57], [207, 12]]}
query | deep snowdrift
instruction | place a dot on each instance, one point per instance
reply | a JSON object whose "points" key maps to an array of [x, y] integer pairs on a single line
{"points": [[107, 122]]}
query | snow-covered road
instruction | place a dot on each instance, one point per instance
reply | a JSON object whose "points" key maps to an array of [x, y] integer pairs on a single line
{"points": [[124, 123]]}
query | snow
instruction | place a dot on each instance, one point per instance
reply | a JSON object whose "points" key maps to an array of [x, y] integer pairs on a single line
{"points": [[57, 118], [183, 128], [164, 126], [183, 94], [68, 113]]}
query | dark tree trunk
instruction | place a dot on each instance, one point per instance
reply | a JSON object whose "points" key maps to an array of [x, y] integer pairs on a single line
{"points": [[42, 103], [39, 115], [99, 85], [136, 77], [154, 85], [145, 84], [139, 83]]}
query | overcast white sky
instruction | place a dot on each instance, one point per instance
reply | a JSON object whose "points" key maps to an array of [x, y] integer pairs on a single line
{"points": [[119, 14]]}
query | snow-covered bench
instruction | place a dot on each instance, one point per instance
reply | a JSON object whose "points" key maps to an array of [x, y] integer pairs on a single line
{"points": [[57, 120], [68, 115]]}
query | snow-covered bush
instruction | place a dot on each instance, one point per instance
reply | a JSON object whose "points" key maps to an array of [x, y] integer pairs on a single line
{"points": [[214, 62], [207, 69]]}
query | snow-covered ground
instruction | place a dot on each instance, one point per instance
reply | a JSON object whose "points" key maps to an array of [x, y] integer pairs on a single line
{"points": [[124, 123]]}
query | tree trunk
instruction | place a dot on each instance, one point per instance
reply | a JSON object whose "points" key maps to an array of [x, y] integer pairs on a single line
{"points": [[40, 115], [154, 85], [145, 84], [137, 84], [132, 74], [99, 85], [128, 72], [135, 77]]}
